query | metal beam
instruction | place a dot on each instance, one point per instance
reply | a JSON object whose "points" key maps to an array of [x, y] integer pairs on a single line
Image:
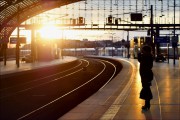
{"points": [[145, 25], [75, 25]]}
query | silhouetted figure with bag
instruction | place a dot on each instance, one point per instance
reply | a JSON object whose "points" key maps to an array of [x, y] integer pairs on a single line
{"points": [[145, 59]]}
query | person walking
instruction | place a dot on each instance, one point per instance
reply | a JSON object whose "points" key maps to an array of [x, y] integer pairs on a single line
{"points": [[145, 59]]}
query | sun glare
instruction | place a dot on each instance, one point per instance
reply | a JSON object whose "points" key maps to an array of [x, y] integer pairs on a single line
{"points": [[49, 32]]}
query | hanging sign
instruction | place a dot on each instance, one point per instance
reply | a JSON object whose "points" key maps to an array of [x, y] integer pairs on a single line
{"points": [[13, 40], [136, 16], [162, 39]]}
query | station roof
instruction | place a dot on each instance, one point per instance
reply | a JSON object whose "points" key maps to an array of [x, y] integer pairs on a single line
{"points": [[14, 12]]}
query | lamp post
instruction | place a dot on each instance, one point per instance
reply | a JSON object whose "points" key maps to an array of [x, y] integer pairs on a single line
{"points": [[112, 42], [152, 31], [17, 44], [174, 46], [128, 44]]}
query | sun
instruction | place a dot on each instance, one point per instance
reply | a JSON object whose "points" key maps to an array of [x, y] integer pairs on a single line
{"points": [[49, 32]]}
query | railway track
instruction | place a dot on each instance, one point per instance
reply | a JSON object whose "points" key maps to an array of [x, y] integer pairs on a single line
{"points": [[50, 96]]}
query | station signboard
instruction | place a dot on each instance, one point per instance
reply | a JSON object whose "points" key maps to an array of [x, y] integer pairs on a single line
{"points": [[174, 41], [13, 40], [162, 39], [136, 16]]}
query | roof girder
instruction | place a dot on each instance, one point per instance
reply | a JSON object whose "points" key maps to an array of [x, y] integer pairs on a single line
{"points": [[27, 8]]}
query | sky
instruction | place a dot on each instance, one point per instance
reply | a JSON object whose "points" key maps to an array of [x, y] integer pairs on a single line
{"points": [[96, 12]]}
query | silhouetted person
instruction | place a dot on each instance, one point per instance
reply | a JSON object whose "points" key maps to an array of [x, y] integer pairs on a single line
{"points": [[146, 63]]}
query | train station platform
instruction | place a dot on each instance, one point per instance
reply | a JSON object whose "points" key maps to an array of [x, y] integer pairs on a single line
{"points": [[11, 66], [119, 100]]}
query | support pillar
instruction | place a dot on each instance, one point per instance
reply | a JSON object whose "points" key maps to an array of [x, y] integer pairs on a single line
{"points": [[174, 47], [128, 45], [152, 31], [17, 42], [33, 45]]}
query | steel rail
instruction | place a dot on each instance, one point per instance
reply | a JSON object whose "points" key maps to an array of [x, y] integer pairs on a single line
{"points": [[68, 93], [36, 86], [41, 78]]}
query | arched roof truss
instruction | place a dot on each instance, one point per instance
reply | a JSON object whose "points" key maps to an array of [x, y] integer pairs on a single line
{"points": [[14, 12]]}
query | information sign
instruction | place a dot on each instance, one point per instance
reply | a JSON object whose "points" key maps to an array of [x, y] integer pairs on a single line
{"points": [[13, 40], [162, 39]]}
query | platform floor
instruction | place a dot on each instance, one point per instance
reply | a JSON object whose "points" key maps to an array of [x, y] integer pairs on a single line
{"points": [[11, 66], [119, 100]]}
